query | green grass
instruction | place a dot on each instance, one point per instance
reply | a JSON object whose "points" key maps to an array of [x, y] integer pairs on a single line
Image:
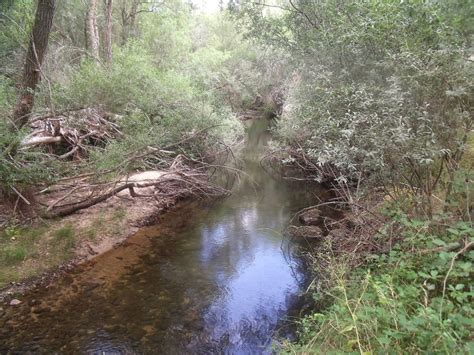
{"points": [[13, 255], [95, 227], [8, 275], [65, 236], [17, 244], [119, 213], [34, 233], [66, 232]]}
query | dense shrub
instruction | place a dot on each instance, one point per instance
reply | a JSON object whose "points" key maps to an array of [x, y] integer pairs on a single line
{"points": [[415, 299], [381, 88], [382, 93]]}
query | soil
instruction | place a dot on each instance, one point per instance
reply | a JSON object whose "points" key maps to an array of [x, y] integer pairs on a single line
{"points": [[97, 229]]}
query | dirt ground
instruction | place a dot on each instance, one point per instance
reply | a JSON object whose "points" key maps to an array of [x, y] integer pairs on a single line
{"points": [[46, 248]]}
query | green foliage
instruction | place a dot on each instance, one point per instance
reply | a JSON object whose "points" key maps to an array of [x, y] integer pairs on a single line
{"points": [[160, 104], [227, 67], [167, 35], [6, 96], [165, 82], [28, 167], [383, 88], [414, 299], [130, 83], [16, 19]]}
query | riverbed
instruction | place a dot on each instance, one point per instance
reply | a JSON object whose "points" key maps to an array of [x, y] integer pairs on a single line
{"points": [[211, 277]]}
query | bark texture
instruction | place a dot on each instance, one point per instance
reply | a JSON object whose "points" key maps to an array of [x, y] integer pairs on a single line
{"points": [[108, 31], [92, 29], [34, 60]]}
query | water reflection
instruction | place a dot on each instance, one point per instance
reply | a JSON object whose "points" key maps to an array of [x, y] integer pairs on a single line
{"points": [[210, 279]]}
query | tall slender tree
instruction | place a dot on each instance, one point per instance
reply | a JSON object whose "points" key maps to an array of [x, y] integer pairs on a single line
{"points": [[34, 59], [92, 29], [129, 19], [108, 31]]}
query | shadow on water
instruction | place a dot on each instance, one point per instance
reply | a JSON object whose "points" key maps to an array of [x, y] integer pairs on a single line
{"points": [[211, 278]]}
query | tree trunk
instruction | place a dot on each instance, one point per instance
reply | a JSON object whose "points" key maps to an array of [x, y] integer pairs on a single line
{"points": [[93, 31], [86, 32], [34, 59], [108, 31], [128, 21]]}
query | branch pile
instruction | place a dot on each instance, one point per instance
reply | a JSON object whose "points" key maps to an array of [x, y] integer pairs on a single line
{"points": [[292, 163], [72, 131], [180, 180]]}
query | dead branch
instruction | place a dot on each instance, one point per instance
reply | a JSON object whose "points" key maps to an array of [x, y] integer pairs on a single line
{"points": [[40, 140], [71, 128], [178, 182]]}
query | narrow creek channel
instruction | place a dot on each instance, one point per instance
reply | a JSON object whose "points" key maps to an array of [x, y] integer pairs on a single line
{"points": [[210, 278]]}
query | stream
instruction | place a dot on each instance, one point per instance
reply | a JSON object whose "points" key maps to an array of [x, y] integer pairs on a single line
{"points": [[210, 278]]}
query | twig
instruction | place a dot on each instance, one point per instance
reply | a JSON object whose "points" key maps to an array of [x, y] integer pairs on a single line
{"points": [[20, 195], [463, 250]]}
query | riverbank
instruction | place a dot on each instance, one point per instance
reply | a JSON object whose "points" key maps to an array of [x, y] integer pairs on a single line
{"points": [[38, 252], [392, 281], [211, 277]]}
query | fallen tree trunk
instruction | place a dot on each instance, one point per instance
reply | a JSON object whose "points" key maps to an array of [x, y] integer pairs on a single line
{"points": [[180, 183], [65, 211]]}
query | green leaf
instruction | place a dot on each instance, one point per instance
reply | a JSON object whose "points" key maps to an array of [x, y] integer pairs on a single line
{"points": [[439, 242]]}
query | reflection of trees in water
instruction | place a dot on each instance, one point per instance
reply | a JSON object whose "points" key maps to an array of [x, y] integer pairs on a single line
{"points": [[184, 293]]}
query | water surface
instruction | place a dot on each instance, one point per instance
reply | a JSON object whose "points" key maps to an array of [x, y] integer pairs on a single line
{"points": [[210, 278]]}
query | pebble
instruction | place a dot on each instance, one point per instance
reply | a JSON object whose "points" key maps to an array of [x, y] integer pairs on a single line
{"points": [[15, 302], [32, 302]]}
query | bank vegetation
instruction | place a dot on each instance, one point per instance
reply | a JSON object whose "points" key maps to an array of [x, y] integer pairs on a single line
{"points": [[373, 99], [379, 105]]}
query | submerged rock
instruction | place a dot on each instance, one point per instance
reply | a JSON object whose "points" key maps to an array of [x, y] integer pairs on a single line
{"points": [[310, 218], [307, 232]]}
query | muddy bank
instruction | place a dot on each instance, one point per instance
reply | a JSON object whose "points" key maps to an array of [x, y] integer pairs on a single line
{"points": [[94, 231]]}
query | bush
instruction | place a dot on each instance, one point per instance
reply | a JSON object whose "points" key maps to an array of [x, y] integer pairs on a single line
{"points": [[27, 168], [380, 90], [414, 299], [159, 107]]}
